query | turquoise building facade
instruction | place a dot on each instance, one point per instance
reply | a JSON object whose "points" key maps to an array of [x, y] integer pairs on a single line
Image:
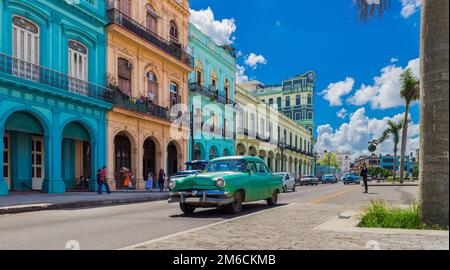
{"points": [[52, 101], [211, 98]]}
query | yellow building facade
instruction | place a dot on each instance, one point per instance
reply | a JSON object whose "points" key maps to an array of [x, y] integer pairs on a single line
{"points": [[265, 132], [148, 69]]}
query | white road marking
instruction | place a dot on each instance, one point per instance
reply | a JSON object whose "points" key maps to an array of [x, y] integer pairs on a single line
{"points": [[201, 228]]}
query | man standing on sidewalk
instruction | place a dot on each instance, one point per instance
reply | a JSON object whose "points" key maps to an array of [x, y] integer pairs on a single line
{"points": [[364, 174]]}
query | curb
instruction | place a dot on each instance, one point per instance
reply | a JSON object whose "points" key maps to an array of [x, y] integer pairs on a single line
{"points": [[16, 209], [393, 185]]}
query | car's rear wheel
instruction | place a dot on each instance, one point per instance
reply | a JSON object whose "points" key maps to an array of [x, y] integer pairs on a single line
{"points": [[272, 201], [187, 209], [284, 189], [236, 206], [293, 188]]}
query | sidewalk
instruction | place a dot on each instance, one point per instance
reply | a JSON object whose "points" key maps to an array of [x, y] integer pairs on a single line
{"points": [[299, 227], [19, 202]]}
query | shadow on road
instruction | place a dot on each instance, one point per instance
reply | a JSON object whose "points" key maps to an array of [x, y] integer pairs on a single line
{"points": [[222, 213]]}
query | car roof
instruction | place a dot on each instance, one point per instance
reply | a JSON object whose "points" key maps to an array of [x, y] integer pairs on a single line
{"points": [[246, 158]]}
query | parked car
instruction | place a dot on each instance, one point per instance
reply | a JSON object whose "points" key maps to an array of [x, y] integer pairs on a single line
{"points": [[309, 180], [329, 179], [351, 178], [288, 181], [227, 182]]}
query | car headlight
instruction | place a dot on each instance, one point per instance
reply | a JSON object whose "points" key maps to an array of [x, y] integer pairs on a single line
{"points": [[220, 183], [172, 184]]}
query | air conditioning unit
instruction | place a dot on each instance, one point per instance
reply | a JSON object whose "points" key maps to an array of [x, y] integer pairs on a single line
{"points": [[129, 65]]}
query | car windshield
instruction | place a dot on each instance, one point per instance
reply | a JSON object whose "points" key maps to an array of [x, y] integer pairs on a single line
{"points": [[227, 166]]}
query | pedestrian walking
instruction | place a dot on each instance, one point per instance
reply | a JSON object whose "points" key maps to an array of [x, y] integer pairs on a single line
{"points": [[127, 182], [364, 174], [161, 179], [149, 186], [101, 181]]}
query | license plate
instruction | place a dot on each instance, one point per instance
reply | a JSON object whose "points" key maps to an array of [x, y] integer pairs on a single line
{"points": [[193, 200]]}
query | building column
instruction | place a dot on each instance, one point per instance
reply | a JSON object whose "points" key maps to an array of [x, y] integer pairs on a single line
{"points": [[94, 166], [53, 182], [110, 159], [3, 184]]}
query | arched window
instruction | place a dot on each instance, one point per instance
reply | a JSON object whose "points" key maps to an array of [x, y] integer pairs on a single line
{"points": [[151, 19], [152, 87], [199, 73], [78, 67], [173, 32], [124, 75], [25, 48], [175, 98]]}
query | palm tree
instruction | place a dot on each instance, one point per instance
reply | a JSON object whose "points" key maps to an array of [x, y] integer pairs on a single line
{"points": [[434, 113], [434, 109], [409, 92], [392, 130]]}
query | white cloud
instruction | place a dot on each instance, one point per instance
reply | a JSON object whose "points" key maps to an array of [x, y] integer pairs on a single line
{"points": [[335, 91], [385, 92], [342, 113], [254, 60], [394, 60], [354, 135], [220, 31], [240, 74], [409, 7]]}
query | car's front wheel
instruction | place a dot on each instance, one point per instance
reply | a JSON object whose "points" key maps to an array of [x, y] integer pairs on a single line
{"points": [[293, 188], [236, 206], [272, 201], [187, 209]]}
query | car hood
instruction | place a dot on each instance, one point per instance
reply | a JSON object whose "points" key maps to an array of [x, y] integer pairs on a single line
{"points": [[203, 180]]}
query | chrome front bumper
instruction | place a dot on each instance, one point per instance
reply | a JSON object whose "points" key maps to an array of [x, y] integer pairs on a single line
{"points": [[201, 197]]}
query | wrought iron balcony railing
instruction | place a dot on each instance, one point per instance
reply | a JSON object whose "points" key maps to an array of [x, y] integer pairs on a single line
{"points": [[119, 99], [42, 75], [194, 87], [117, 17]]}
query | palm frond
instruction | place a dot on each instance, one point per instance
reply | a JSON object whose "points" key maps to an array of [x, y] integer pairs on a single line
{"points": [[367, 11]]}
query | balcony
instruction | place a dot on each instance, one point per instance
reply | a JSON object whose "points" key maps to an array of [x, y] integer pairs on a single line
{"points": [[172, 49], [121, 100], [43, 76], [194, 87]]}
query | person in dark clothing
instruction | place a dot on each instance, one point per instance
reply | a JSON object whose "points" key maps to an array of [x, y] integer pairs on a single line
{"points": [[364, 174], [161, 179]]}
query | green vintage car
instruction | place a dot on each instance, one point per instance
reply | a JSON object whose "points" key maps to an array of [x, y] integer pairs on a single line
{"points": [[227, 182]]}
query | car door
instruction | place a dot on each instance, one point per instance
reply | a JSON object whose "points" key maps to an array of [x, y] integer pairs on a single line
{"points": [[252, 192], [291, 181], [265, 178]]}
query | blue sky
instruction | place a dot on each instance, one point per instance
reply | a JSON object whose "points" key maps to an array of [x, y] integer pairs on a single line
{"points": [[292, 37]]}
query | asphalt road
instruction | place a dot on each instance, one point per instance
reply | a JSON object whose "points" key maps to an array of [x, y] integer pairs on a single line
{"points": [[121, 226]]}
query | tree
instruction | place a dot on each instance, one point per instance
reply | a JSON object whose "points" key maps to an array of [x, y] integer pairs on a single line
{"points": [[330, 160], [434, 113], [392, 130], [409, 92], [434, 109]]}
